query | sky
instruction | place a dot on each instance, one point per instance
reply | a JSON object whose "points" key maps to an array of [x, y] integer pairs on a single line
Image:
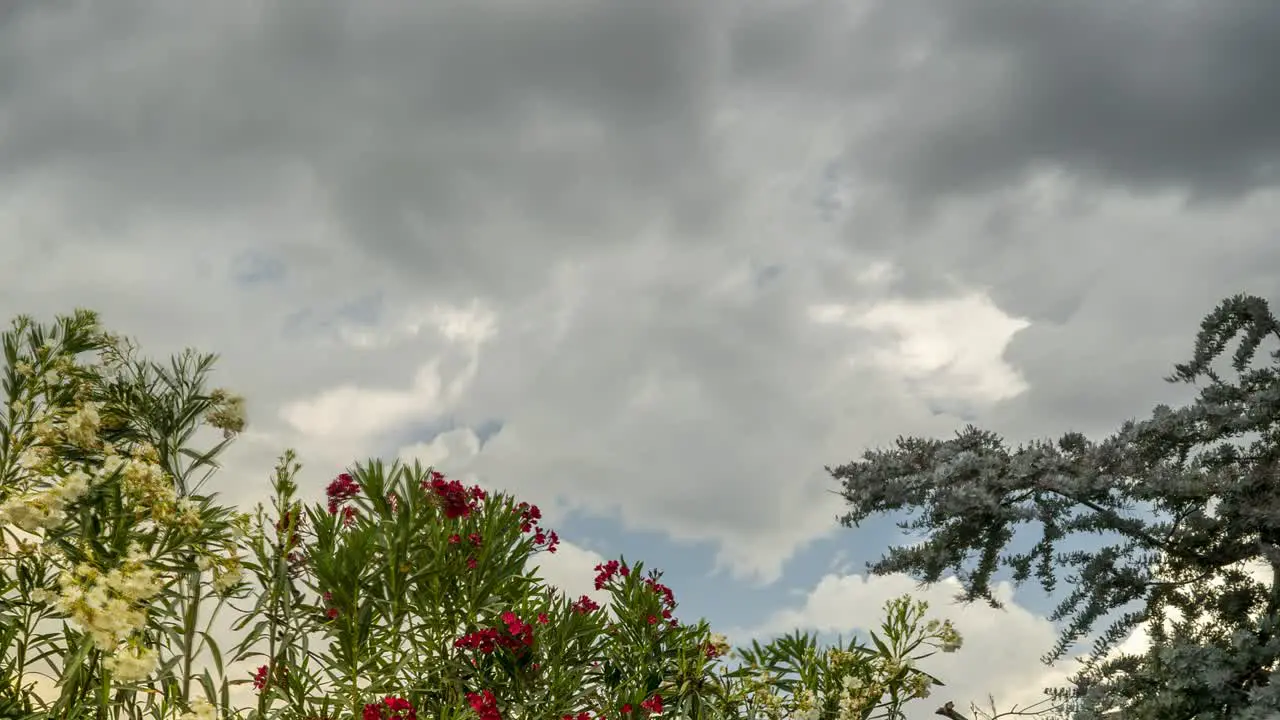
{"points": [[652, 266]]}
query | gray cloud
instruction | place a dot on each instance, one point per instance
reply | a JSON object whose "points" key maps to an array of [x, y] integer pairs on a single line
{"points": [[1142, 94], [1105, 169], [650, 199], [425, 128]]}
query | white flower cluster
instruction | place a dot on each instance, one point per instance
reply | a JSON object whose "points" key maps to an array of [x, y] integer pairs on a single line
{"points": [[228, 571], [855, 695], [764, 695], [141, 476], [82, 426], [131, 664], [854, 700], [807, 706], [44, 510], [108, 606], [720, 643], [948, 639], [200, 710]]}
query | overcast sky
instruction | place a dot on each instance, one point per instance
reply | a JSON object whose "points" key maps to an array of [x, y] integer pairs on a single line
{"points": [[652, 265]]}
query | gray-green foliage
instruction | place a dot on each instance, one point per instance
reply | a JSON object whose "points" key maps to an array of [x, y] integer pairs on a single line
{"points": [[1180, 499]]}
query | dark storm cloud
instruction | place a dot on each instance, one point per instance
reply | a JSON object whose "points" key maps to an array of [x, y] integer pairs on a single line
{"points": [[1017, 146], [419, 122], [1150, 94], [636, 192]]}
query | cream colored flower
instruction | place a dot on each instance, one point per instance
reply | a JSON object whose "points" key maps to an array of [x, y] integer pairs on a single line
{"points": [[108, 606], [720, 643], [200, 710], [131, 665], [188, 514], [73, 486], [227, 413], [950, 638], [33, 513], [45, 429], [33, 458], [228, 576], [807, 706], [83, 425]]}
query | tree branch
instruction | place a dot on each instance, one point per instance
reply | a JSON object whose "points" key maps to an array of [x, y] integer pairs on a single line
{"points": [[949, 711]]}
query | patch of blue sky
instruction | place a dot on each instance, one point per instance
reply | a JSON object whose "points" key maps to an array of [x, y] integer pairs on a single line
{"points": [[253, 268], [365, 311], [487, 430], [686, 567], [768, 274], [427, 430]]}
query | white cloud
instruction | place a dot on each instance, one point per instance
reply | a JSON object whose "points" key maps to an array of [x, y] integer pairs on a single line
{"points": [[466, 325], [454, 449], [364, 412], [951, 349], [337, 424]]}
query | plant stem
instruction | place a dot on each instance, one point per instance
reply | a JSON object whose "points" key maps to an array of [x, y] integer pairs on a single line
{"points": [[191, 612]]}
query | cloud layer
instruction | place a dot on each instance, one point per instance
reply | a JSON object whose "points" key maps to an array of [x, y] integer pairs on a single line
{"points": [[651, 265]]}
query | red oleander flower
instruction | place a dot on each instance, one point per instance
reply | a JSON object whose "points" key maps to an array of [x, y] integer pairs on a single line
{"points": [[262, 676], [484, 704], [606, 571], [456, 500], [530, 515], [342, 489], [260, 679], [391, 708]]}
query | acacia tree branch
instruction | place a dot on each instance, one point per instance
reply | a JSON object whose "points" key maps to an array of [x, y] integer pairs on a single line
{"points": [[949, 711]]}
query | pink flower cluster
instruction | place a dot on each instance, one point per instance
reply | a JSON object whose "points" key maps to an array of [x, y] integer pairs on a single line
{"points": [[261, 676], [342, 489], [653, 705], [606, 571], [485, 705], [529, 517], [456, 500], [518, 634], [391, 708]]}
